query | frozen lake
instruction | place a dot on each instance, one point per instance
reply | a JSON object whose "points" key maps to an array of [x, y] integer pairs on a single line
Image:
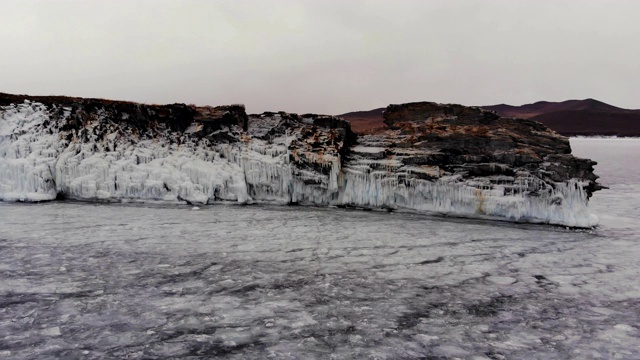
{"points": [[90, 281]]}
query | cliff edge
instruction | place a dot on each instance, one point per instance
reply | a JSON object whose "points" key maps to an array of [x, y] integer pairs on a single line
{"points": [[431, 158]]}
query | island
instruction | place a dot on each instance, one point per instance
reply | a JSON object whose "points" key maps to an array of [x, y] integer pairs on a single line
{"points": [[442, 159]]}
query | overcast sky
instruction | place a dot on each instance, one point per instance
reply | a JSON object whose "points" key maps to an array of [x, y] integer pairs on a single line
{"points": [[325, 56]]}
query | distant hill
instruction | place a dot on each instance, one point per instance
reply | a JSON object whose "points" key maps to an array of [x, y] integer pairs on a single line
{"points": [[364, 120], [544, 107], [587, 117], [577, 117]]}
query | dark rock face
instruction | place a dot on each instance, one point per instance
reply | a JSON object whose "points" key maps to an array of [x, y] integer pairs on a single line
{"points": [[314, 133], [141, 117], [313, 140], [421, 112], [476, 142], [429, 157], [216, 118]]}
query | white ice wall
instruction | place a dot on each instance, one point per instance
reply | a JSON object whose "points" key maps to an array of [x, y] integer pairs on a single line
{"points": [[28, 154], [566, 205]]}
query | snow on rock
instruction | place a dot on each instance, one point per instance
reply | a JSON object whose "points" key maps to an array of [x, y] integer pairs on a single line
{"points": [[431, 158]]}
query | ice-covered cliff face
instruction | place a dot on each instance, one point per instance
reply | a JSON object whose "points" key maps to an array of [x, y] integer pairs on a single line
{"points": [[431, 158], [111, 154]]}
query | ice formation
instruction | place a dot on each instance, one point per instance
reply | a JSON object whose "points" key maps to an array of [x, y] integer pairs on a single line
{"points": [[61, 150]]}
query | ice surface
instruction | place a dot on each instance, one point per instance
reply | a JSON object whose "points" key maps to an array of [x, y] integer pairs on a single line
{"points": [[617, 159], [39, 161], [144, 281]]}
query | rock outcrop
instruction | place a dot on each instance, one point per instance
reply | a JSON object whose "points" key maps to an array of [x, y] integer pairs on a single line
{"points": [[445, 159], [478, 143]]}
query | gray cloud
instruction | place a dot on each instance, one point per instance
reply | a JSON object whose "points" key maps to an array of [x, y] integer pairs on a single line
{"points": [[324, 56]]}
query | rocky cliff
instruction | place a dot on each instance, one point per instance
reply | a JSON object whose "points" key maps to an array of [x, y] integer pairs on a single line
{"points": [[433, 158], [475, 142]]}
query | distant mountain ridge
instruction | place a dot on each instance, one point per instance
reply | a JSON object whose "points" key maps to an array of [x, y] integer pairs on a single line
{"points": [[588, 117], [577, 117], [543, 107], [364, 120]]}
